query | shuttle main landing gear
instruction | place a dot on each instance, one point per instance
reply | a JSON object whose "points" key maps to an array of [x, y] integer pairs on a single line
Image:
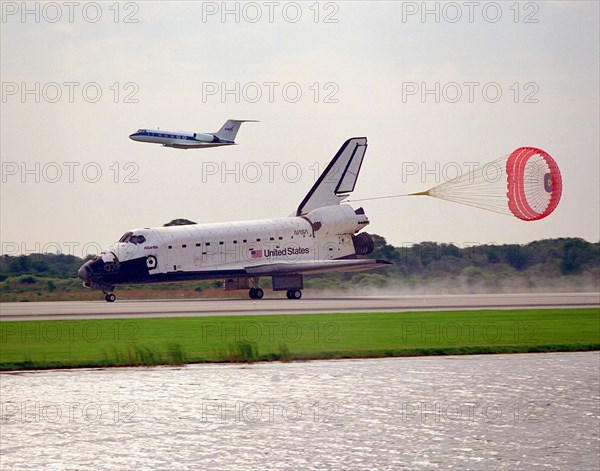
{"points": [[110, 297], [255, 292], [294, 294]]}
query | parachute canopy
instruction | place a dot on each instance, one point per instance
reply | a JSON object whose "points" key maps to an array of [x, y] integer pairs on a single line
{"points": [[525, 184]]}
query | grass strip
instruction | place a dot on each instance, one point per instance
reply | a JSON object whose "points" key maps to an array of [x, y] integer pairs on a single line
{"points": [[177, 341]]}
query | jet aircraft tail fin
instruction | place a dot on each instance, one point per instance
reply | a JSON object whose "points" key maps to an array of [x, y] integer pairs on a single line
{"points": [[230, 129], [338, 179]]}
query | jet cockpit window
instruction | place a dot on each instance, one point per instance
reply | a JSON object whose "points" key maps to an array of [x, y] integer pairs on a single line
{"points": [[125, 237]]}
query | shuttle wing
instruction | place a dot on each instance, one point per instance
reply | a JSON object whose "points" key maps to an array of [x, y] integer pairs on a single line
{"points": [[317, 266]]}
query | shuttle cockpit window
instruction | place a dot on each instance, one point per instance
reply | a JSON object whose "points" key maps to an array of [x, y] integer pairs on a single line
{"points": [[137, 239], [125, 237], [132, 239]]}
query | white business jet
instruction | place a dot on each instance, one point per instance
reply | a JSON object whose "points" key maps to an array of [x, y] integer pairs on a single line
{"points": [[192, 140]]}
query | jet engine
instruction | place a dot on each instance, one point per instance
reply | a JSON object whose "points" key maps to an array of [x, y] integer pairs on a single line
{"points": [[206, 137]]}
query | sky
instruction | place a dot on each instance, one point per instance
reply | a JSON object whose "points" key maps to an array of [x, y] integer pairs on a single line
{"points": [[433, 86]]}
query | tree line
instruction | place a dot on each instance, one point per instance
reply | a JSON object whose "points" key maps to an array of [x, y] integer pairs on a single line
{"points": [[551, 264]]}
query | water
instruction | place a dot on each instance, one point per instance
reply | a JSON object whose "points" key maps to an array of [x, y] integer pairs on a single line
{"points": [[531, 411]]}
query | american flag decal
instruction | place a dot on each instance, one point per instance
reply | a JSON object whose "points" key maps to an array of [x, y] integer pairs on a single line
{"points": [[256, 253]]}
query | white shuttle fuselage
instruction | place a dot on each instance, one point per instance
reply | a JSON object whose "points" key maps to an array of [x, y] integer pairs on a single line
{"points": [[320, 237]]}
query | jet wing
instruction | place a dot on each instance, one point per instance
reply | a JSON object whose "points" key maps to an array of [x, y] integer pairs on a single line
{"points": [[317, 266], [198, 146]]}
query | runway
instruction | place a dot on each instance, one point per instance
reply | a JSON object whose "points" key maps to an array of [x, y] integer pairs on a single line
{"points": [[225, 307]]}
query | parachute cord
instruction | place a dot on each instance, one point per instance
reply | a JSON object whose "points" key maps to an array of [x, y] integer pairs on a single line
{"points": [[377, 198]]}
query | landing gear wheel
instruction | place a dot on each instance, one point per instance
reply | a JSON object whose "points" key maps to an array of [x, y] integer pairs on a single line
{"points": [[256, 293], [294, 294], [110, 297]]}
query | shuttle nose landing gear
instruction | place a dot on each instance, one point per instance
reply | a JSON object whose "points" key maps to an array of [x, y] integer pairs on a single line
{"points": [[256, 293], [110, 297], [294, 294]]}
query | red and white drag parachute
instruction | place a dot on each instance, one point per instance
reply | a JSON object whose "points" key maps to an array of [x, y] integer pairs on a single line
{"points": [[526, 184]]}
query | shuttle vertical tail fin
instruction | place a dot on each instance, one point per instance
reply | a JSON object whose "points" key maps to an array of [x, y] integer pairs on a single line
{"points": [[230, 129], [338, 179]]}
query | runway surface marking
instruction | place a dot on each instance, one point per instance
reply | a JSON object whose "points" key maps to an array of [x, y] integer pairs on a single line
{"points": [[226, 307]]}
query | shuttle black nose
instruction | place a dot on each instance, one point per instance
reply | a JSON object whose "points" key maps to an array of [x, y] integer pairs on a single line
{"points": [[84, 274]]}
